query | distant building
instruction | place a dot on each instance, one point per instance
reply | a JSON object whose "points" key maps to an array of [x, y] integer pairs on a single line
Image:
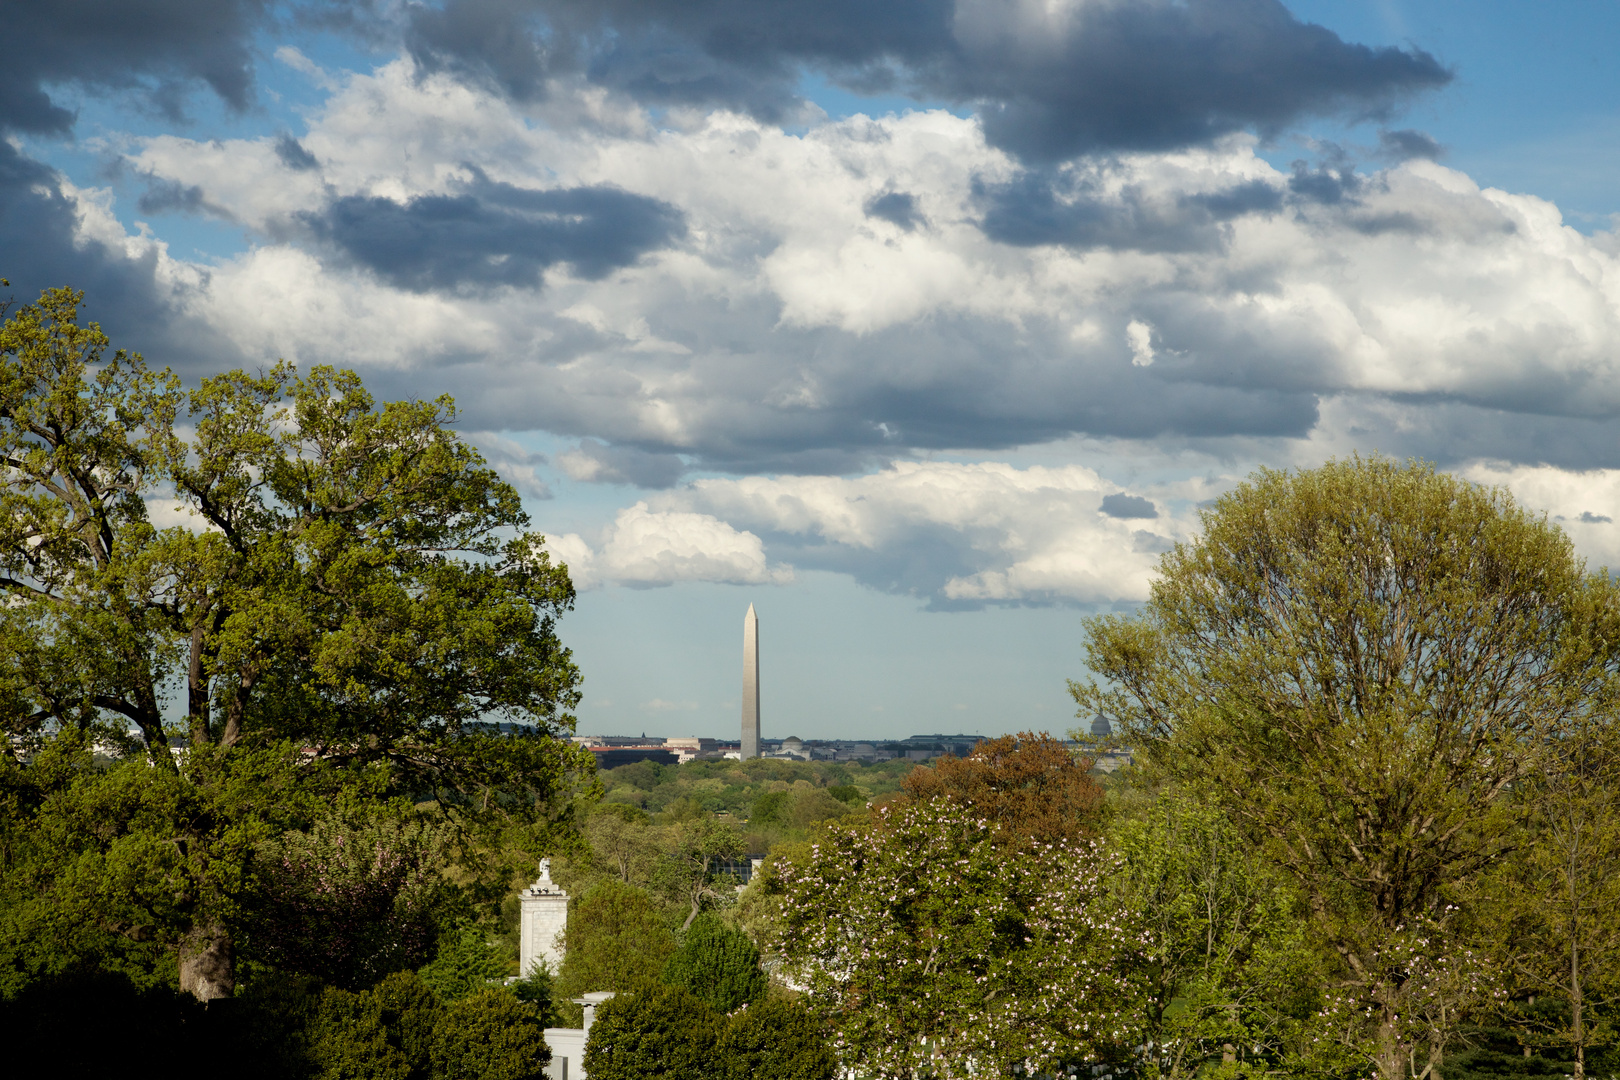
{"points": [[791, 747], [611, 757], [923, 747], [691, 748]]}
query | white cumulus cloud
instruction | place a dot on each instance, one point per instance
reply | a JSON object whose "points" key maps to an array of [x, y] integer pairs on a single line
{"points": [[953, 533], [644, 547]]}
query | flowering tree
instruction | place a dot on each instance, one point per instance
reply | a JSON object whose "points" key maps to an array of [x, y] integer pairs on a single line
{"points": [[932, 948], [348, 900], [1426, 984]]}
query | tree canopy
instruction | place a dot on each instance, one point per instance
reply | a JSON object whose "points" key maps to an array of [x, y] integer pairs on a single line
{"points": [[1029, 784], [1357, 664], [347, 596]]}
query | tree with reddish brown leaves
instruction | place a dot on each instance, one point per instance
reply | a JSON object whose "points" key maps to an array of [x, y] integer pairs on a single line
{"points": [[1029, 784]]}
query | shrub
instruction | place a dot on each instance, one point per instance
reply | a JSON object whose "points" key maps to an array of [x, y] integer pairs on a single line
{"points": [[718, 964], [349, 1039], [410, 1012], [776, 1040], [490, 1035], [663, 1031]]}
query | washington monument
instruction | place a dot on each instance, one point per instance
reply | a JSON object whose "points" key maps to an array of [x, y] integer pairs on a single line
{"points": [[750, 695]]}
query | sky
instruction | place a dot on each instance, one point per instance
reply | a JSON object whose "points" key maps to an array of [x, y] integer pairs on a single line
{"points": [[925, 326]]}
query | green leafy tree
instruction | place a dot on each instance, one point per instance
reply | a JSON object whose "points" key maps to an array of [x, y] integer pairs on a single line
{"points": [[359, 591], [695, 849], [466, 963], [490, 1035], [1356, 664], [87, 630], [1228, 976], [771, 808], [617, 939], [931, 946], [776, 1039], [718, 964], [623, 841], [99, 869], [539, 988], [1557, 902], [658, 1031], [811, 807]]}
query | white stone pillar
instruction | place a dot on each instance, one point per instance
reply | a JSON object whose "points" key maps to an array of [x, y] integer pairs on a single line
{"points": [[750, 687], [543, 918]]}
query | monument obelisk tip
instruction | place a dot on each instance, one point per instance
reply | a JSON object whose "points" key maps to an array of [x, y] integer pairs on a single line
{"points": [[750, 689]]}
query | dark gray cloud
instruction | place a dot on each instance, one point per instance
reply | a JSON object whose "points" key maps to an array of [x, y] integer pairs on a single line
{"points": [[593, 461], [1595, 519], [897, 208], [171, 197], [494, 234], [1407, 144], [293, 154], [1161, 74], [942, 383], [42, 249], [158, 49], [1329, 183], [1146, 74], [1072, 208], [1128, 507]]}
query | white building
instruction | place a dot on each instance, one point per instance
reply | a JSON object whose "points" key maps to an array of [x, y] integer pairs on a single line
{"points": [[568, 1044]]}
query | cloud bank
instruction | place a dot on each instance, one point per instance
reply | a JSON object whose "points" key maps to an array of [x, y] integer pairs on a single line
{"points": [[621, 224], [766, 303], [1051, 80]]}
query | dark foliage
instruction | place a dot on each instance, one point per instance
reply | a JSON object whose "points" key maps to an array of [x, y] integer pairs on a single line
{"points": [[718, 964], [777, 1040], [663, 1031]]}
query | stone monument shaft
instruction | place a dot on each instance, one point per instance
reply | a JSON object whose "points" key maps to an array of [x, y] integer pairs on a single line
{"points": [[543, 918], [750, 691]]}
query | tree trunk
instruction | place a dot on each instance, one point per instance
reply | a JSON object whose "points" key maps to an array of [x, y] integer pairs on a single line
{"points": [[207, 971], [1389, 1057], [197, 690], [237, 706], [1577, 1009]]}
